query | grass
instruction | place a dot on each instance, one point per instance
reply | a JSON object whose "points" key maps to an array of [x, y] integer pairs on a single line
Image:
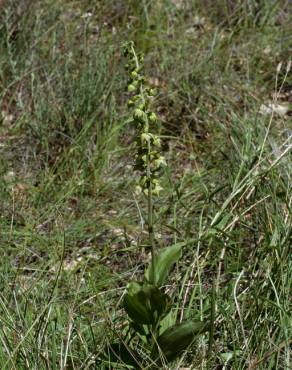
{"points": [[70, 225]]}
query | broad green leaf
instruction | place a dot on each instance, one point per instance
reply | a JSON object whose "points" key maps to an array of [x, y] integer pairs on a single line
{"points": [[135, 304], [163, 263], [158, 301], [176, 339], [144, 303], [168, 321]]}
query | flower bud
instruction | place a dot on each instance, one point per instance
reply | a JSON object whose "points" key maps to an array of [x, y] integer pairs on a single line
{"points": [[152, 92], [134, 74], [132, 87], [152, 117]]}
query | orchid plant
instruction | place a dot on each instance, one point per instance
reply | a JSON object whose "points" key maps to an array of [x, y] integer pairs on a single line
{"points": [[148, 343]]}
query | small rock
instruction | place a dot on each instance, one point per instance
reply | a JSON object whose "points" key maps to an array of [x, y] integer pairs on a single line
{"points": [[279, 109]]}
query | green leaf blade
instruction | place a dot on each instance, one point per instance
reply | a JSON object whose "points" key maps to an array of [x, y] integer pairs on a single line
{"points": [[174, 340], [158, 273], [145, 303]]}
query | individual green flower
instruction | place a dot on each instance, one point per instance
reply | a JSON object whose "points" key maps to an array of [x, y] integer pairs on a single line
{"points": [[145, 137], [156, 188], [152, 117], [138, 190], [138, 113], [140, 116], [160, 161], [156, 140]]}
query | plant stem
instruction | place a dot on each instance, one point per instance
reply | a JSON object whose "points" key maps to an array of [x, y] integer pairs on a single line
{"points": [[212, 320], [149, 194], [150, 212]]}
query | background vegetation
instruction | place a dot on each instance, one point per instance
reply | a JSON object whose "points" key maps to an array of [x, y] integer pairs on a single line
{"points": [[71, 232]]}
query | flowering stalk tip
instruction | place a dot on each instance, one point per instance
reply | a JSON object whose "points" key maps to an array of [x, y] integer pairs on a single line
{"points": [[149, 161]]}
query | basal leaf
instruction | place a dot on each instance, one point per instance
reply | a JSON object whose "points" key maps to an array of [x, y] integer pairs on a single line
{"points": [[145, 303], [173, 341]]}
